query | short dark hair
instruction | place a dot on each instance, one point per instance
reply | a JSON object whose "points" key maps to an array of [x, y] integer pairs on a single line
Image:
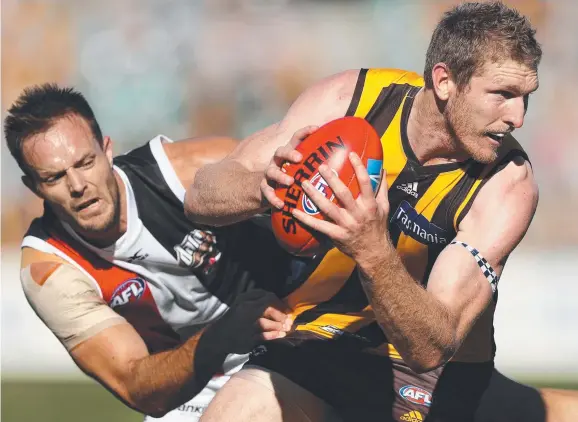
{"points": [[472, 34], [37, 109]]}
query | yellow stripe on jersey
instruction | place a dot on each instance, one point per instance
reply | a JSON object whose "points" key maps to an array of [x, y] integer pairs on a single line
{"points": [[470, 193], [394, 158], [413, 253], [327, 279], [327, 324], [376, 80], [509, 145], [384, 349]]}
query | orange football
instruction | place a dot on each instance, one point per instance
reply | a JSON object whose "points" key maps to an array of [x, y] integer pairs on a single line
{"points": [[330, 144]]}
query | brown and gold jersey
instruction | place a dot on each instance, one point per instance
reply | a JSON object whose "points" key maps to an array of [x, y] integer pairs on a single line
{"points": [[427, 204]]}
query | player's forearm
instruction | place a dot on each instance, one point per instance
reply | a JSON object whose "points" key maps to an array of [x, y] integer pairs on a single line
{"points": [[224, 193], [418, 325], [161, 382]]}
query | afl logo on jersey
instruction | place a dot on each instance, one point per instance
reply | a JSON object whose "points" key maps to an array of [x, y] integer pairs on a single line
{"points": [[321, 185], [416, 395], [129, 291]]}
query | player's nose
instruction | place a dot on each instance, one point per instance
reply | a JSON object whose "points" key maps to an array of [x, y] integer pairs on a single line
{"points": [[515, 111]]}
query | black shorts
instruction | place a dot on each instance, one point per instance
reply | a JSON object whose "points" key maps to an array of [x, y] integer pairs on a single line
{"points": [[366, 387]]}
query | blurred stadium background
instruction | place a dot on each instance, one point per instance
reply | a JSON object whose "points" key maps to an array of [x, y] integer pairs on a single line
{"points": [[185, 68]]}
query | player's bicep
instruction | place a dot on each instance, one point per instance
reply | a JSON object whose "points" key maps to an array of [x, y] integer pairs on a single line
{"points": [[467, 272], [109, 356], [459, 282]]}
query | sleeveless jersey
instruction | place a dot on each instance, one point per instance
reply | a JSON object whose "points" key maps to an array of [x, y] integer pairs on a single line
{"points": [[146, 276], [427, 204]]}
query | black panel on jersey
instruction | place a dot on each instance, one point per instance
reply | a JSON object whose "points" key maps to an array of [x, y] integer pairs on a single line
{"points": [[409, 174], [350, 298], [385, 107], [252, 252], [159, 209], [357, 93], [162, 213], [251, 256], [445, 212]]}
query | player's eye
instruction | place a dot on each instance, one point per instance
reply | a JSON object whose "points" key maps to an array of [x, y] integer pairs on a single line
{"points": [[89, 162], [50, 180], [504, 94]]}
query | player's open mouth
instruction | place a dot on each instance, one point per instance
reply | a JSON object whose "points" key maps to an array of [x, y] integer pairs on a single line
{"points": [[497, 137], [91, 203]]}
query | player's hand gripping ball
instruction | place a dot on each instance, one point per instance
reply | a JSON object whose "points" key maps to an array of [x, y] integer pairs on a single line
{"points": [[330, 144]]}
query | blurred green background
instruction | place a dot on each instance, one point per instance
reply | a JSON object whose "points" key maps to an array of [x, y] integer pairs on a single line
{"points": [[50, 401], [65, 401]]}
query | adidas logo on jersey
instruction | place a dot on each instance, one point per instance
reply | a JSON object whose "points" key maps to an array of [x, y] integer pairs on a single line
{"points": [[409, 188], [413, 416]]}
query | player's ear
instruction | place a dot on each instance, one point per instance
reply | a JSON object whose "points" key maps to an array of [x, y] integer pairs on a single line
{"points": [[442, 81], [107, 148]]}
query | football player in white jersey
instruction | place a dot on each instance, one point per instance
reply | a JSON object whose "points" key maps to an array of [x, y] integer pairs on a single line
{"points": [[139, 317]]}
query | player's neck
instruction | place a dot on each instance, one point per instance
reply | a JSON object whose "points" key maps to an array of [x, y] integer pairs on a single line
{"points": [[428, 134]]}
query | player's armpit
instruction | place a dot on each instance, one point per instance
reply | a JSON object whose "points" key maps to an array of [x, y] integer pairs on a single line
{"points": [[66, 301], [494, 226]]}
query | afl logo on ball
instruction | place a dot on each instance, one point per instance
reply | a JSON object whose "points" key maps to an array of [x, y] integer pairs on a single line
{"points": [[321, 185]]}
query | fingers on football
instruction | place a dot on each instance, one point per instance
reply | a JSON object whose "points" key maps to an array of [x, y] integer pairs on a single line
{"points": [[342, 192], [301, 134], [268, 192], [366, 192], [322, 226], [327, 208], [286, 153], [276, 175]]}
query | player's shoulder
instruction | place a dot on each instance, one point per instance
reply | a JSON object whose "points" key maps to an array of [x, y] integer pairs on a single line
{"points": [[335, 86], [348, 80], [40, 262], [509, 186], [512, 167], [189, 155], [388, 76], [37, 267], [202, 149]]}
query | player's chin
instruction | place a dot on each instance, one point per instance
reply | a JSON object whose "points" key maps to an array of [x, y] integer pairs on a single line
{"points": [[485, 153], [97, 224]]}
